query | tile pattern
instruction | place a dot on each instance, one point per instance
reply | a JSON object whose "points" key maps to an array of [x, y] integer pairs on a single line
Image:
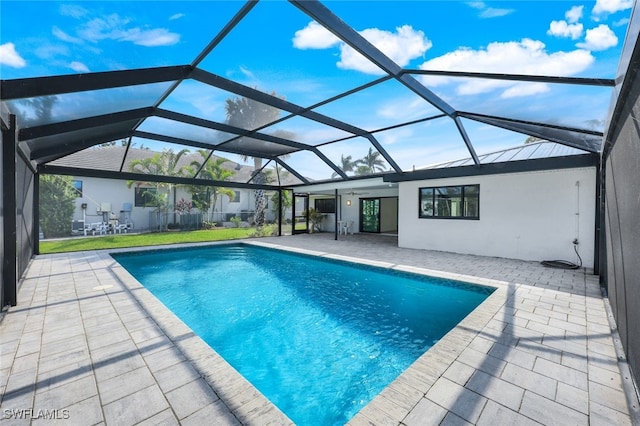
{"points": [[87, 344]]}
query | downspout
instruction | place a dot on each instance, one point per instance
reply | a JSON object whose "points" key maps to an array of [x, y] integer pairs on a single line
{"points": [[338, 206], [36, 213], [597, 235], [280, 212]]}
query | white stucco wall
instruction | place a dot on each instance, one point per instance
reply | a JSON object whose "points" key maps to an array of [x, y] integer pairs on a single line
{"points": [[529, 216], [116, 192], [388, 214]]}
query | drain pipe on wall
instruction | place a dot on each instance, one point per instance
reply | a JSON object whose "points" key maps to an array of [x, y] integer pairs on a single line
{"points": [[564, 264]]}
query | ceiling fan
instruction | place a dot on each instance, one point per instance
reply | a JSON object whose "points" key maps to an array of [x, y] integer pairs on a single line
{"points": [[355, 193]]}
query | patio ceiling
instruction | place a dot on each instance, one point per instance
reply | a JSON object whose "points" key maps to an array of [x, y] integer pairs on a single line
{"points": [[61, 117]]}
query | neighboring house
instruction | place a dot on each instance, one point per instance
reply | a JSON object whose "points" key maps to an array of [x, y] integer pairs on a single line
{"points": [[532, 208], [101, 199]]}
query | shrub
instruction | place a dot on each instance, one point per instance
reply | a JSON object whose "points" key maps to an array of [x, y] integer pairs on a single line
{"points": [[208, 225], [57, 197], [237, 220]]}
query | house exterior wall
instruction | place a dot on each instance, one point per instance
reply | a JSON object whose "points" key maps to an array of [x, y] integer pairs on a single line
{"points": [[96, 191], [352, 212], [530, 216], [388, 214]]}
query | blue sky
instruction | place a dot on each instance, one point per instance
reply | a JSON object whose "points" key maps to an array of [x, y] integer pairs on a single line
{"points": [[278, 48]]}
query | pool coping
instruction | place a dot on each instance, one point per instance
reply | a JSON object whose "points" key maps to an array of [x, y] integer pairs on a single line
{"points": [[247, 403]]}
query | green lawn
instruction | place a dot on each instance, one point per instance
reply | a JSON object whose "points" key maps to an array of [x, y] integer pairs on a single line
{"points": [[150, 239]]}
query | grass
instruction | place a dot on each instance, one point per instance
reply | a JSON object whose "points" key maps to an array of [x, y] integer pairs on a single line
{"points": [[149, 239]]}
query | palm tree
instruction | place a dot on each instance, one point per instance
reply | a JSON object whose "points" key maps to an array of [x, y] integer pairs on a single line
{"points": [[250, 114], [213, 170], [370, 163], [163, 163], [277, 172], [346, 165]]}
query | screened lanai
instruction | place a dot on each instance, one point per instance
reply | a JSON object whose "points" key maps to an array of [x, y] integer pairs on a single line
{"points": [[321, 93], [407, 115]]}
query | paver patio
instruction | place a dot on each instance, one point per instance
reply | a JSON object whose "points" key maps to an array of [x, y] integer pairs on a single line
{"points": [[87, 344]]}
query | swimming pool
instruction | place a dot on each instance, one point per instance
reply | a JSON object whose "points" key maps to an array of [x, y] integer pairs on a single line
{"points": [[319, 338]]}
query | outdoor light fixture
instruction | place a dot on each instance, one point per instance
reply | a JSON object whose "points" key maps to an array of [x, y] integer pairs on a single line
{"points": [[348, 202]]}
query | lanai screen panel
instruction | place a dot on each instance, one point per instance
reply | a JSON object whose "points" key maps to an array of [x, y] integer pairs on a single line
{"points": [[417, 145], [570, 105], [285, 62], [305, 130], [189, 133], [151, 34], [323, 73], [356, 157], [383, 105]]}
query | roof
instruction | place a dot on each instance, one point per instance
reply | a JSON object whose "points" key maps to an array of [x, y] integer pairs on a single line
{"points": [[343, 134], [530, 151], [111, 158]]}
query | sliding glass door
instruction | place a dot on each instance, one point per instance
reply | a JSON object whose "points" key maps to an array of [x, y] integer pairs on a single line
{"points": [[370, 215], [300, 213]]}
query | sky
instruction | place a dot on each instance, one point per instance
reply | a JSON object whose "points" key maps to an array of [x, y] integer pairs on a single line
{"points": [[277, 48]]}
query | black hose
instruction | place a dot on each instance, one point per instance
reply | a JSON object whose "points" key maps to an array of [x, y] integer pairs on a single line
{"points": [[563, 264]]}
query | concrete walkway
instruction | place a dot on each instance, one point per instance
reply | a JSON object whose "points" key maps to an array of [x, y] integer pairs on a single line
{"points": [[87, 344]]}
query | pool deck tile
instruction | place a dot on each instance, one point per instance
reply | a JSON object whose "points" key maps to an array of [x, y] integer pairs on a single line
{"points": [[87, 344]]}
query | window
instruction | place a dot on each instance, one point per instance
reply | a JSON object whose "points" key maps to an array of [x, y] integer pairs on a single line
{"points": [[325, 205], [145, 197], [77, 186], [450, 202], [236, 197]]}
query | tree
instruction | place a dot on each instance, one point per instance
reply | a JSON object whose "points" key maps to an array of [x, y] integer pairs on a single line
{"points": [[370, 163], [249, 114], [532, 139], [346, 165], [57, 198], [163, 163], [212, 170], [279, 172]]}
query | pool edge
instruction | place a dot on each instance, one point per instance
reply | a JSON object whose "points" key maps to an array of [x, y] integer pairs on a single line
{"points": [[247, 403]]}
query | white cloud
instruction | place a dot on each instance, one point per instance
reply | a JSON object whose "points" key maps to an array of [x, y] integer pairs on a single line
{"points": [[527, 57], [476, 4], [599, 38], [574, 14], [492, 12], [176, 16], [621, 22], [611, 6], [150, 38], [73, 11], [247, 72], [58, 33], [314, 36], [563, 29], [51, 51], [78, 66], [10, 57], [489, 12], [524, 89], [113, 27], [401, 46]]}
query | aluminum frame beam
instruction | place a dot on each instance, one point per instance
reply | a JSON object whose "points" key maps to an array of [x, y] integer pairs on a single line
{"points": [[46, 86]]}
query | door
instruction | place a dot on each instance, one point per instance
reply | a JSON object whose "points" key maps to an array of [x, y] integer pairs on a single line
{"points": [[370, 215], [300, 214]]}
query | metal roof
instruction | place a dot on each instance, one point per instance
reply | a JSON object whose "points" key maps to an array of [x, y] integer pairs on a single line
{"points": [[63, 120], [530, 151]]}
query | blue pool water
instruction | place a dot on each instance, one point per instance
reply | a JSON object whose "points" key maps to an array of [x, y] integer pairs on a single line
{"points": [[319, 338]]}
